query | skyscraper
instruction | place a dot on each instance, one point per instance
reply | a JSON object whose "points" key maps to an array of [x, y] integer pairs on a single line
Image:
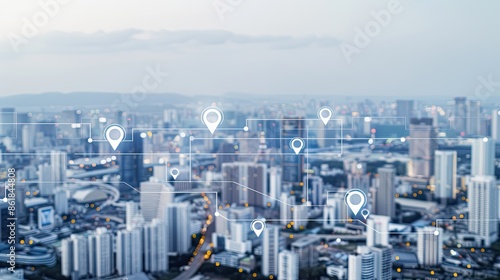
{"points": [[131, 162], [384, 203], [422, 146], [383, 262], [377, 230], [483, 157], [67, 257], [473, 124], [313, 188], [177, 220], [270, 250], [292, 165], [8, 122], [429, 246], [362, 264], [58, 166], [483, 209], [274, 184], [404, 109], [445, 174], [131, 209], [495, 125], [155, 247], [329, 214], [74, 256], [101, 259], [61, 201], [300, 216], [288, 265], [305, 249], [129, 251], [286, 205], [459, 115], [246, 175], [45, 181], [154, 196]]}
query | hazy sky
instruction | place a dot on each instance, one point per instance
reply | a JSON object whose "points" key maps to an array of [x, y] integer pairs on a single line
{"points": [[261, 46]]}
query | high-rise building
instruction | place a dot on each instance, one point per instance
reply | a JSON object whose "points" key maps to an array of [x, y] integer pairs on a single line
{"points": [[155, 247], [131, 209], [288, 265], [131, 162], [329, 214], [74, 256], [101, 258], [274, 184], [28, 137], [383, 262], [312, 190], [459, 115], [177, 220], [58, 166], [404, 109], [300, 216], [61, 201], [483, 209], [286, 205], [305, 249], [483, 157], [473, 124], [422, 146], [495, 125], [226, 154], [377, 230], [361, 264], [270, 250], [154, 196], [358, 181], [67, 257], [429, 246], [45, 181], [292, 164], [8, 122], [129, 251], [244, 182], [445, 174], [384, 197]]}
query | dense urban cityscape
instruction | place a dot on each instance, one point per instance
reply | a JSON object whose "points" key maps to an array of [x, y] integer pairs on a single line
{"points": [[319, 189]]}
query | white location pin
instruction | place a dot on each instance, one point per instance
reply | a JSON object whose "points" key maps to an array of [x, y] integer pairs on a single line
{"points": [[355, 199], [325, 113], [174, 172], [212, 124], [365, 213], [297, 144], [258, 226], [114, 134]]}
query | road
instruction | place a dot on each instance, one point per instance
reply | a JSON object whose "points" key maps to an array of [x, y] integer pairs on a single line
{"points": [[199, 258]]}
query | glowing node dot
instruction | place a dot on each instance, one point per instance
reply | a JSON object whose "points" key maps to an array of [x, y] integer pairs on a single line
{"points": [[403, 139], [191, 138], [245, 128], [90, 140], [436, 232], [183, 134], [217, 214], [485, 139], [4, 199], [143, 135]]}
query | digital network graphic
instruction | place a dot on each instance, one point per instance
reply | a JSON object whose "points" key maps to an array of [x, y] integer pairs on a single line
{"points": [[269, 198]]}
